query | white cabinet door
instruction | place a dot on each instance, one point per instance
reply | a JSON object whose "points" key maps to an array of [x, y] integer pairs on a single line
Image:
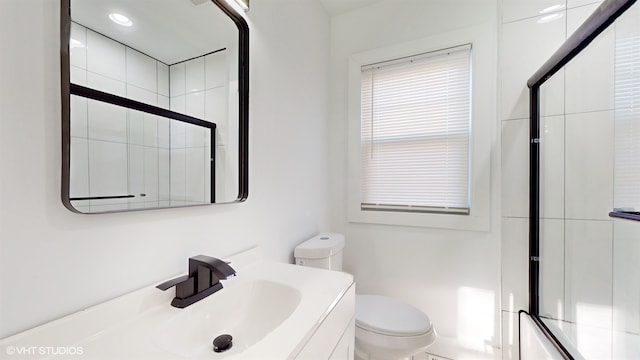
{"points": [[346, 347], [336, 331]]}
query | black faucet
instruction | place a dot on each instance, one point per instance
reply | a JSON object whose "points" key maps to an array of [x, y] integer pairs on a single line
{"points": [[204, 277]]}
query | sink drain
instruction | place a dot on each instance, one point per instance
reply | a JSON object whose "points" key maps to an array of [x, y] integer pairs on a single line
{"points": [[222, 343]]}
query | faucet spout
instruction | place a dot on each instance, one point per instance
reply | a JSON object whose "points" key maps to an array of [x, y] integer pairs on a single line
{"points": [[220, 268]]}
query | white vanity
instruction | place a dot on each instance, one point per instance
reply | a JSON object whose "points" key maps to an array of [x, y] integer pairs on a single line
{"points": [[272, 311]]}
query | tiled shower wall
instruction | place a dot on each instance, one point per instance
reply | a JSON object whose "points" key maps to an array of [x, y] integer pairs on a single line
{"points": [[117, 151], [577, 176], [199, 88]]}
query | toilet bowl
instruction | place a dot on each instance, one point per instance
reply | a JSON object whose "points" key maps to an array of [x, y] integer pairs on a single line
{"points": [[386, 328], [389, 329]]}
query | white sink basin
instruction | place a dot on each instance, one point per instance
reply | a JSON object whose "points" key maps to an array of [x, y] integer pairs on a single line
{"points": [[271, 310], [247, 311]]}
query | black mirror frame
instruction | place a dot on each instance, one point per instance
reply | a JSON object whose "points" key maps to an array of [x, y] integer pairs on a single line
{"points": [[243, 101]]}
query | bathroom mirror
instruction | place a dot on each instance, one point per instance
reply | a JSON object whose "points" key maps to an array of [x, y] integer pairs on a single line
{"points": [[154, 104]]}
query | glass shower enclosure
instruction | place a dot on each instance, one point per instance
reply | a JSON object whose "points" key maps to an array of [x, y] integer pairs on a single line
{"points": [[585, 173]]}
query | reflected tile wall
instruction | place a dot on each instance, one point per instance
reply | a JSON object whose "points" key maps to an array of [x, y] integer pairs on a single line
{"points": [[103, 130], [199, 88]]}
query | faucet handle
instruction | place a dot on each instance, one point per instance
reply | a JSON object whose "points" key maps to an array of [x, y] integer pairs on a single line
{"points": [[173, 282]]}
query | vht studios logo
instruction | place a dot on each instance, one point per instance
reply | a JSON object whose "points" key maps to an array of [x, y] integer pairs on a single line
{"points": [[44, 350]]}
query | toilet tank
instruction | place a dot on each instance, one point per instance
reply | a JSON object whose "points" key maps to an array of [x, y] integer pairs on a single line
{"points": [[321, 251]]}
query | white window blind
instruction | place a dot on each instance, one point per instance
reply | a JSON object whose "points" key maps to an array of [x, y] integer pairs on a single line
{"points": [[415, 127], [627, 123]]}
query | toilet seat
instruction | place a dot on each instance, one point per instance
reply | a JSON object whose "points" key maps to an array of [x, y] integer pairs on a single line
{"points": [[386, 316]]}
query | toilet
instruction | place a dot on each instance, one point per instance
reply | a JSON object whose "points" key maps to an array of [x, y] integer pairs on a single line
{"points": [[386, 328]]}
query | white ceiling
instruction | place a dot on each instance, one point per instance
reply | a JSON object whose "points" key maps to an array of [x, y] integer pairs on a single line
{"points": [[174, 30], [168, 30], [336, 7]]}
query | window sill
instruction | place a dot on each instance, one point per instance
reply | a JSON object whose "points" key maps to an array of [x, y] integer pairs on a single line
{"points": [[431, 220]]}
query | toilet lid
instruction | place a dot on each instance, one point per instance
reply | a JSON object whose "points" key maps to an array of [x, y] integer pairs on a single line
{"points": [[387, 316]]}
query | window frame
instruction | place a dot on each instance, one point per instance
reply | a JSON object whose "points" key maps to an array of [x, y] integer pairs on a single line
{"points": [[483, 115]]}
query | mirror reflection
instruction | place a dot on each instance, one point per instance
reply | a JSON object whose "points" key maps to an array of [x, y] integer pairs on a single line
{"points": [[176, 63]]}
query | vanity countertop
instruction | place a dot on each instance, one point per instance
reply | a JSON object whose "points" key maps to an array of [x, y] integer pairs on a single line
{"points": [[272, 309]]}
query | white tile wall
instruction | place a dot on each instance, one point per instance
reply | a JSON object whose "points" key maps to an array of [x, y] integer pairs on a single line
{"points": [[195, 136], [79, 169], [107, 122], [177, 77], [526, 45], [589, 76], [576, 3], [78, 46], [515, 168], [164, 175], [216, 70], [552, 254], [136, 174], [178, 135], [151, 172], [106, 84], [78, 109], [163, 79], [552, 173], [108, 170], [515, 252], [103, 64], [513, 10], [164, 102], [589, 165], [510, 346], [216, 104], [194, 104], [194, 75], [78, 76], [178, 174], [626, 278], [199, 88], [588, 269], [106, 57], [179, 103], [141, 70], [135, 122], [625, 345], [195, 174], [164, 131], [142, 95], [150, 131]]}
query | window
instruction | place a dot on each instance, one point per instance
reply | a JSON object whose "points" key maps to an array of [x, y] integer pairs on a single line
{"points": [[421, 124], [415, 127], [627, 124]]}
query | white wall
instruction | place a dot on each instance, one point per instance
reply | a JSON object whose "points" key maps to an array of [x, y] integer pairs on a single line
{"points": [[54, 262], [451, 275]]}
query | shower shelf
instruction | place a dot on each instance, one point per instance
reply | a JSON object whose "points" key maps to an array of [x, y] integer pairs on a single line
{"points": [[628, 215]]}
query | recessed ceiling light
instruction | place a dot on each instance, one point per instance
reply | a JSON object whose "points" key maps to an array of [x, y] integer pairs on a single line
{"points": [[120, 19]]}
